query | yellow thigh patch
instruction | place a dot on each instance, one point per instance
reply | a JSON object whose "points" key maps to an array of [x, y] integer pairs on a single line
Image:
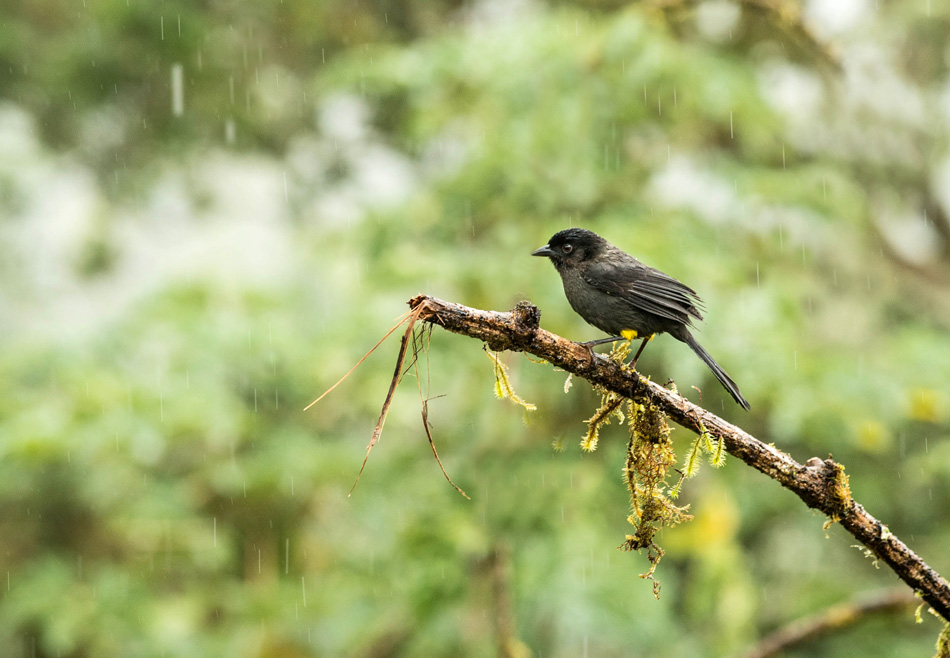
{"points": [[630, 334]]}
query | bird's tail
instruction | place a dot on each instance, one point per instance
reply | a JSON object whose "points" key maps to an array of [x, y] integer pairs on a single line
{"points": [[717, 370]]}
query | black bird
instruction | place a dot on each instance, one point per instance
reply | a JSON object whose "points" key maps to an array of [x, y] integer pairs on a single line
{"points": [[618, 294]]}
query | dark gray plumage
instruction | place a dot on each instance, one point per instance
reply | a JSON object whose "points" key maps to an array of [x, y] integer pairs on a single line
{"points": [[621, 296]]}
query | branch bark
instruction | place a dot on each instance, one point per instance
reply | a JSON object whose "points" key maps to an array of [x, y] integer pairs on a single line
{"points": [[821, 484]]}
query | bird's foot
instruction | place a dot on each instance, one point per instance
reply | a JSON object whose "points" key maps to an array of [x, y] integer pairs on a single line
{"points": [[602, 341]]}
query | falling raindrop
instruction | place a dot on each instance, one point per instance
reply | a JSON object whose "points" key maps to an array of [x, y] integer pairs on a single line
{"points": [[178, 90]]}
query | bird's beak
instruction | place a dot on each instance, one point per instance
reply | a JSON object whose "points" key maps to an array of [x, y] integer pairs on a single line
{"points": [[543, 251]]}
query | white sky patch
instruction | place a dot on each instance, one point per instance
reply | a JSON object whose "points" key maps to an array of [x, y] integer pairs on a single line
{"points": [[383, 176], [837, 16], [486, 14], [682, 184], [18, 137], [338, 207], [238, 235], [717, 19], [791, 90], [344, 117], [872, 82], [374, 175], [912, 237]]}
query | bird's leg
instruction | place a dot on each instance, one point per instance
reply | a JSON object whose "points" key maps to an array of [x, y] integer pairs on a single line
{"points": [[636, 357], [612, 339]]}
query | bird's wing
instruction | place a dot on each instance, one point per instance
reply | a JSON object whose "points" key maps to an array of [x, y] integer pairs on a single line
{"points": [[646, 288]]}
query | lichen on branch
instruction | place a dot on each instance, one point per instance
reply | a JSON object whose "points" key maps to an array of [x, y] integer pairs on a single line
{"points": [[650, 457]]}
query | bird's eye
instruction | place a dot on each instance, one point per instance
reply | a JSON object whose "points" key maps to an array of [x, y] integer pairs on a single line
{"points": [[567, 248]]}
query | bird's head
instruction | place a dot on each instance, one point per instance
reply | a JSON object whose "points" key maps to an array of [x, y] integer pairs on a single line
{"points": [[572, 247]]}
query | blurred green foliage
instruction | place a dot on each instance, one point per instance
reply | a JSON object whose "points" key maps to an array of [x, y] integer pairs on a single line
{"points": [[164, 494]]}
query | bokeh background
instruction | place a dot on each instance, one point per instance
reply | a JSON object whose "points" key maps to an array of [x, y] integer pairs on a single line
{"points": [[210, 211]]}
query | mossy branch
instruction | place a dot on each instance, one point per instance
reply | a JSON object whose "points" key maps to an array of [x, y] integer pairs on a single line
{"points": [[820, 484]]}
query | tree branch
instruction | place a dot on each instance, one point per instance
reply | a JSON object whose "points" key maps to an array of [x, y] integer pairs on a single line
{"points": [[803, 631], [821, 484]]}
